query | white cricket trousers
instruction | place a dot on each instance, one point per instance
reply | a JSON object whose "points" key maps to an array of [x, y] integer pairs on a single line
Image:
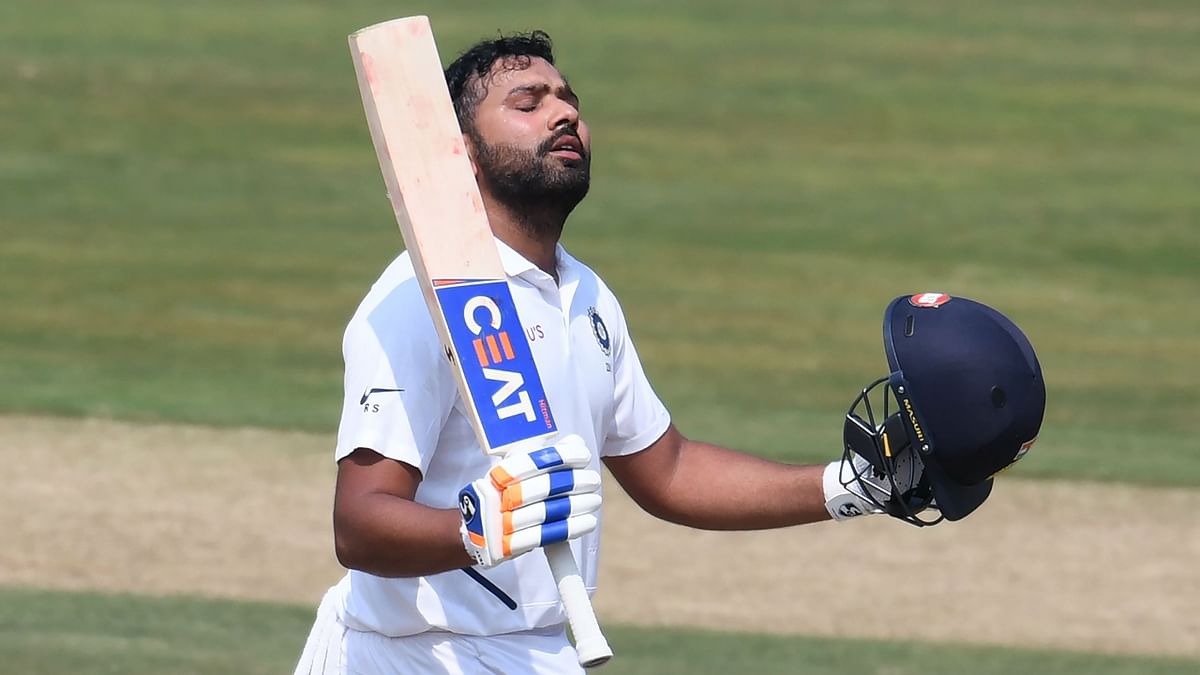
{"points": [[334, 649]]}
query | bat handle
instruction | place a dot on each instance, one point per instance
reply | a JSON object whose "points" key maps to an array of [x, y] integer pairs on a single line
{"points": [[590, 644]]}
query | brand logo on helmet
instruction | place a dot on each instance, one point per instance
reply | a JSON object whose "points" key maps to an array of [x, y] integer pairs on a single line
{"points": [[912, 418], [849, 511], [930, 300]]}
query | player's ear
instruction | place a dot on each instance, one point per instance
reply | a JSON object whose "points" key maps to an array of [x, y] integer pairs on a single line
{"points": [[471, 153]]}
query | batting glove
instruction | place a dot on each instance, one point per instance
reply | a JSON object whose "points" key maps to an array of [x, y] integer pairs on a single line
{"points": [[853, 487], [530, 500]]}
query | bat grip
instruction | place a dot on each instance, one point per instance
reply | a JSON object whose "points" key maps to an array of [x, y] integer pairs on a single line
{"points": [[590, 644]]}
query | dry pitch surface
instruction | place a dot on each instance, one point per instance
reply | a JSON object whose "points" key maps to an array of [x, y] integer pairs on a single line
{"points": [[167, 509]]}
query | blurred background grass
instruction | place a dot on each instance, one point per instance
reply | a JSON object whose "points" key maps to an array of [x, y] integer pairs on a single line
{"points": [[191, 207]]}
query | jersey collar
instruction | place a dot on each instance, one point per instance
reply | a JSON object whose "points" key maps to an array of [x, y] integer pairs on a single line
{"points": [[516, 265]]}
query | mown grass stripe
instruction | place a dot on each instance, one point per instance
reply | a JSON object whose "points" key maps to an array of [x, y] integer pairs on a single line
{"points": [[82, 633]]}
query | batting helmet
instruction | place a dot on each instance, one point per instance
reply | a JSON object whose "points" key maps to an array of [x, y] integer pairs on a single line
{"points": [[963, 401]]}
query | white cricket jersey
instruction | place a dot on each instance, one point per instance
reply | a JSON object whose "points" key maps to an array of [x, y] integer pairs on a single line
{"points": [[401, 401]]}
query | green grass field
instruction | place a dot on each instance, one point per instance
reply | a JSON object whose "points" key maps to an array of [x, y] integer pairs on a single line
{"points": [[44, 633], [190, 209]]}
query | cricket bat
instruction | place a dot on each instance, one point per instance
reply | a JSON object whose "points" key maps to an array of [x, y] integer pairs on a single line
{"points": [[437, 203]]}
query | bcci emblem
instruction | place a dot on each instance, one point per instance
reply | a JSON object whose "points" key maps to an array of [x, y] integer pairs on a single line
{"points": [[600, 331]]}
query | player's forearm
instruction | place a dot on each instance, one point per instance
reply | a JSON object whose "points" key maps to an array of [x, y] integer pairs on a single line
{"points": [[709, 487], [720, 489], [389, 536]]}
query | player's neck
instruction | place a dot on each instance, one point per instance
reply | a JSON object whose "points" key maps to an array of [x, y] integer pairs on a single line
{"points": [[534, 235]]}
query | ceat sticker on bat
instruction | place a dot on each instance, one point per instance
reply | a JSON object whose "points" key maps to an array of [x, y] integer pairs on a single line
{"points": [[929, 299]]}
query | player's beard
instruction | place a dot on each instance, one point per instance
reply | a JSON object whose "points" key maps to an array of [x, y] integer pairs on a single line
{"points": [[540, 189]]}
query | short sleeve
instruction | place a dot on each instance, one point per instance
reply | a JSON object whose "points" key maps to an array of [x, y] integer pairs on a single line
{"points": [[639, 417], [399, 391]]}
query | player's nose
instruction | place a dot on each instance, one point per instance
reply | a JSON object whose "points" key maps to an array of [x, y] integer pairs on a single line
{"points": [[564, 112]]}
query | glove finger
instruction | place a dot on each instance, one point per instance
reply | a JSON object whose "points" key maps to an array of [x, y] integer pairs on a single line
{"points": [[537, 488], [570, 452], [523, 541], [551, 510]]}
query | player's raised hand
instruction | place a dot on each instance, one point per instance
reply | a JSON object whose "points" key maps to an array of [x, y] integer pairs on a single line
{"points": [[530, 500], [880, 472]]}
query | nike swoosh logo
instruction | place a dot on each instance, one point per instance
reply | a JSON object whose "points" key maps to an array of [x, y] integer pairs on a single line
{"points": [[375, 391]]}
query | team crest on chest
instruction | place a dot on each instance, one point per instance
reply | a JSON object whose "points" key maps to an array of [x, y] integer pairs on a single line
{"points": [[600, 331]]}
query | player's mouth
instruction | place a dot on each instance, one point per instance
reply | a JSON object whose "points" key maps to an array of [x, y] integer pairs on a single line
{"points": [[567, 146]]}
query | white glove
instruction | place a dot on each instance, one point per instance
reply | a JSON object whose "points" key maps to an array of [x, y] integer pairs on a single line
{"points": [[530, 500], [855, 488]]}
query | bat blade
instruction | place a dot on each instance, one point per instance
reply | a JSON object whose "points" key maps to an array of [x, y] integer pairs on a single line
{"points": [[440, 212], [496, 363], [421, 151]]}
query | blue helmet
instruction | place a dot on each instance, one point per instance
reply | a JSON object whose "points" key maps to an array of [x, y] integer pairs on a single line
{"points": [[964, 399]]}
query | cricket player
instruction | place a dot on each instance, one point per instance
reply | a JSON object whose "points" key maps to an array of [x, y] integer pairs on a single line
{"points": [[421, 595]]}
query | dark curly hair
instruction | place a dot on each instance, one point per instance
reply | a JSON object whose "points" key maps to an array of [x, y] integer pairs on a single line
{"points": [[466, 76]]}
